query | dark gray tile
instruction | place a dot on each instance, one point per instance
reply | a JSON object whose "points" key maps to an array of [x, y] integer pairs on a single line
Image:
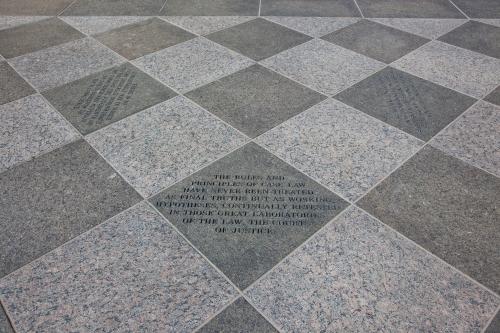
{"points": [[494, 326], [494, 96], [53, 198], [12, 86], [138, 39], [239, 317], [255, 99], [475, 36], [103, 98], [414, 105], [375, 40], [32, 37], [114, 7], [211, 8], [258, 39], [5, 326], [409, 8], [446, 206], [316, 8], [247, 211], [479, 8], [33, 7]]}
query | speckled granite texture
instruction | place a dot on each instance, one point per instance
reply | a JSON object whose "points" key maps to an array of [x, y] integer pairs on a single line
{"points": [[249, 166]]}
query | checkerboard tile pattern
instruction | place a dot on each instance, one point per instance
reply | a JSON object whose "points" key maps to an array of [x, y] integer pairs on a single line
{"points": [[251, 166]]}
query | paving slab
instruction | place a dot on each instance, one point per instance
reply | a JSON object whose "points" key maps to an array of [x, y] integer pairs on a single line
{"points": [[34, 7], [428, 28], [114, 8], [313, 26], [211, 8], [92, 25], [409, 9], [494, 96], [7, 22], [479, 8], [338, 8], [203, 25], [12, 86]]}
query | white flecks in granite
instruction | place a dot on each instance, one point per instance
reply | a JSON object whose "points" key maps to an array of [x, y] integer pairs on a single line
{"points": [[357, 275], [429, 28], [313, 26], [30, 127], [7, 22], [323, 66], [466, 71], [340, 147], [203, 25], [161, 145], [192, 64], [474, 137], [55, 66], [131, 273], [92, 25]]}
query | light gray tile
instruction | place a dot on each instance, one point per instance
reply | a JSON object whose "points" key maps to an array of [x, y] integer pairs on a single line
{"points": [[469, 72], [474, 137], [132, 273], [13, 21], [429, 28], [323, 66], [192, 64], [30, 127], [159, 146], [340, 147], [203, 25], [409, 8], [356, 275], [313, 26], [61, 64], [91, 25]]}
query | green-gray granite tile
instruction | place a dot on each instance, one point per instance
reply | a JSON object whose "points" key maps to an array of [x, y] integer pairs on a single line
{"points": [[494, 96], [446, 206], [314, 8], [313, 26], [114, 8], [357, 275], [211, 8], [53, 198], [239, 317], [428, 28], [414, 105], [103, 98], [247, 211], [375, 40], [12, 86], [203, 25], [92, 25], [255, 99], [133, 273], [479, 8], [33, 7], [409, 8], [138, 39]]}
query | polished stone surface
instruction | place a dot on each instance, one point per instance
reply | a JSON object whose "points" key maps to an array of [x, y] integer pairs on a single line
{"points": [[114, 7], [416, 106], [313, 8], [341, 147], [258, 39], [479, 8], [238, 317], [474, 137], [33, 7], [255, 99], [12, 86], [446, 206], [409, 8], [247, 211], [211, 8], [36, 36], [203, 25], [108, 96], [357, 275], [494, 96], [375, 40], [313, 26], [30, 127], [428, 28], [145, 37], [131, 273], [54, 198], [165, 143]]}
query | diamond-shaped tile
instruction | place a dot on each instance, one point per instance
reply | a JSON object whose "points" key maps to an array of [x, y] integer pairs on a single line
{"points": [[114, 7], [409, 8], [255, 99], [313, 26], [476, 36], [12, 86], [61, 64], [248, 210], [203, 25], [238, 317], [36, 36], [454, 67], [53, 198], [414, 105], [375, 40], [429, 28], [479, 8], [211, 8], [161, 145], [132, 273], [323, 66], [446, 206], [474, 137], [138, 39], [494, 96], [314, 8], [7, 22], [31, 7], [92, 25], [342, 148], [258, 39], [357, 275], [30, 127], [192, 64], [103, 98]]}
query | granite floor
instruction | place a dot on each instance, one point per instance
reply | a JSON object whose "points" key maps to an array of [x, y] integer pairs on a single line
{"points": [[249, 166]]}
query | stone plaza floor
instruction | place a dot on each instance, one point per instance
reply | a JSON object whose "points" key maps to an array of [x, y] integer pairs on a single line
{"points": [[249, 166]]}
